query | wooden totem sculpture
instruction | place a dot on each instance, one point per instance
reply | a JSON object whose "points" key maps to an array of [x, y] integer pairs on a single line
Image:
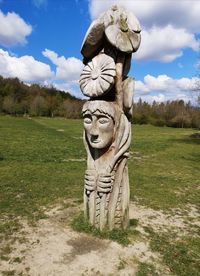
{"points": [[107, 50]]}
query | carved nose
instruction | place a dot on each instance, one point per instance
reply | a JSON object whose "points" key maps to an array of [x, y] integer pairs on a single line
{"points": [[93, 131]]}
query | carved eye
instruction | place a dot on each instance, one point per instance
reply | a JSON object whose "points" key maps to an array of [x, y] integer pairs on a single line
{"points": [[87, 120], [103, 121]]}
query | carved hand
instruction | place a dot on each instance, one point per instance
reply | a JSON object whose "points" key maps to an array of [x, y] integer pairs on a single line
{"points": [[105, 182], [90, 181]]}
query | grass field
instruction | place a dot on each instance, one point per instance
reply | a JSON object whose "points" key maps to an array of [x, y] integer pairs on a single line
{"points": [[42, 163]]}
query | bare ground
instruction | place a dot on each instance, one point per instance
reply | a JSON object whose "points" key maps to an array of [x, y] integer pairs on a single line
{"points": [[53, 248]]}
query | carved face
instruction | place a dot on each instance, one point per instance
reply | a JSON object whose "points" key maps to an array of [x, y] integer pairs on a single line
{"points": [[99, 129]]}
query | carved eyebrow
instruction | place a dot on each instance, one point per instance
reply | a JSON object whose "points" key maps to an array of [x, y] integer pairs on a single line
{"points": [[87, 115], [103, 116]]}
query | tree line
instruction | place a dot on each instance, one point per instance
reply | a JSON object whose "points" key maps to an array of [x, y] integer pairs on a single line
{"points": [[17, 98], [171, 113]]}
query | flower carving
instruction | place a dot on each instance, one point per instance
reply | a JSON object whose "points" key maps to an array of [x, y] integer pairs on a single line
{"points": [[98, 76]]}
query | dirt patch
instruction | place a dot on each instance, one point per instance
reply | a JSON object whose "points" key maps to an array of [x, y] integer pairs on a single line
{"points": [[176, 220], [85, 244], [156, 219], [53, 248]]}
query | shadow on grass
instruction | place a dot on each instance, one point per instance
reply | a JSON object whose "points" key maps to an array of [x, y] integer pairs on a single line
{"points": [[80, 224], [187, 140], [195, 156], [1, 157]]}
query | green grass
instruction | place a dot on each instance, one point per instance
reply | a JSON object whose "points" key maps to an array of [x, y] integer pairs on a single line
{"points": [[123, 237], [167, 162], [145, 269], [34, 168], [79, 224], [182, 256], [42, 164]]}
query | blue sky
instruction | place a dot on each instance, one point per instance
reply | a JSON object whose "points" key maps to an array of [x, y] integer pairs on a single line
{"points": [[40, 42]]}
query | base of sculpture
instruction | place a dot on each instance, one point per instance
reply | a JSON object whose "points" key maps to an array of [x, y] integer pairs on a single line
{"points": [[109, 210]]}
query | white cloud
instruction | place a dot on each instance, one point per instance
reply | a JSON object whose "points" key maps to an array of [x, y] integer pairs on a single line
{"points": [[181, 14], [164, 44], [150, 98], [159, 98], [29, 70], [157, 84], [68, 72], [168, 26], [13, 29], [72, 88], [26, 68], [141, 88], [68, 69], [163, 88]]}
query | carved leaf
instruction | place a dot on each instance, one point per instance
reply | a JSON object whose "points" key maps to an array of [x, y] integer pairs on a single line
{"points": [[128, 89], [93, 41]]}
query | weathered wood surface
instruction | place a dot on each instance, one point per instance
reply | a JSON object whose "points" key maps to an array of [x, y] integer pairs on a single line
{"points": [[98, 76], [107, 50]]}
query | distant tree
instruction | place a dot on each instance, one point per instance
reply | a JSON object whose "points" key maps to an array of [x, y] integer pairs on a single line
{"points": [[24, 107], [173, 114], [181, 121], [9, 105], [52, 102], [1, 103], [71, 109], [38, 106]]}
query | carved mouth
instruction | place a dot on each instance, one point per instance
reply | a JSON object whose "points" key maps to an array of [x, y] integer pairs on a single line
{"points": [[95, 140]]}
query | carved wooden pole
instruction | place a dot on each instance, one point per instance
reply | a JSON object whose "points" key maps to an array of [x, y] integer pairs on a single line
{"points": [[107, 49]]}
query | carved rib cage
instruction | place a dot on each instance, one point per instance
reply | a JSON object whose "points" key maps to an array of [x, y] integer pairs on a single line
{"points": [[98, 76]]}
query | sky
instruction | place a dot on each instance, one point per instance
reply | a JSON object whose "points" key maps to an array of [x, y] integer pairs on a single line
{"points": [[40, 42]]}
